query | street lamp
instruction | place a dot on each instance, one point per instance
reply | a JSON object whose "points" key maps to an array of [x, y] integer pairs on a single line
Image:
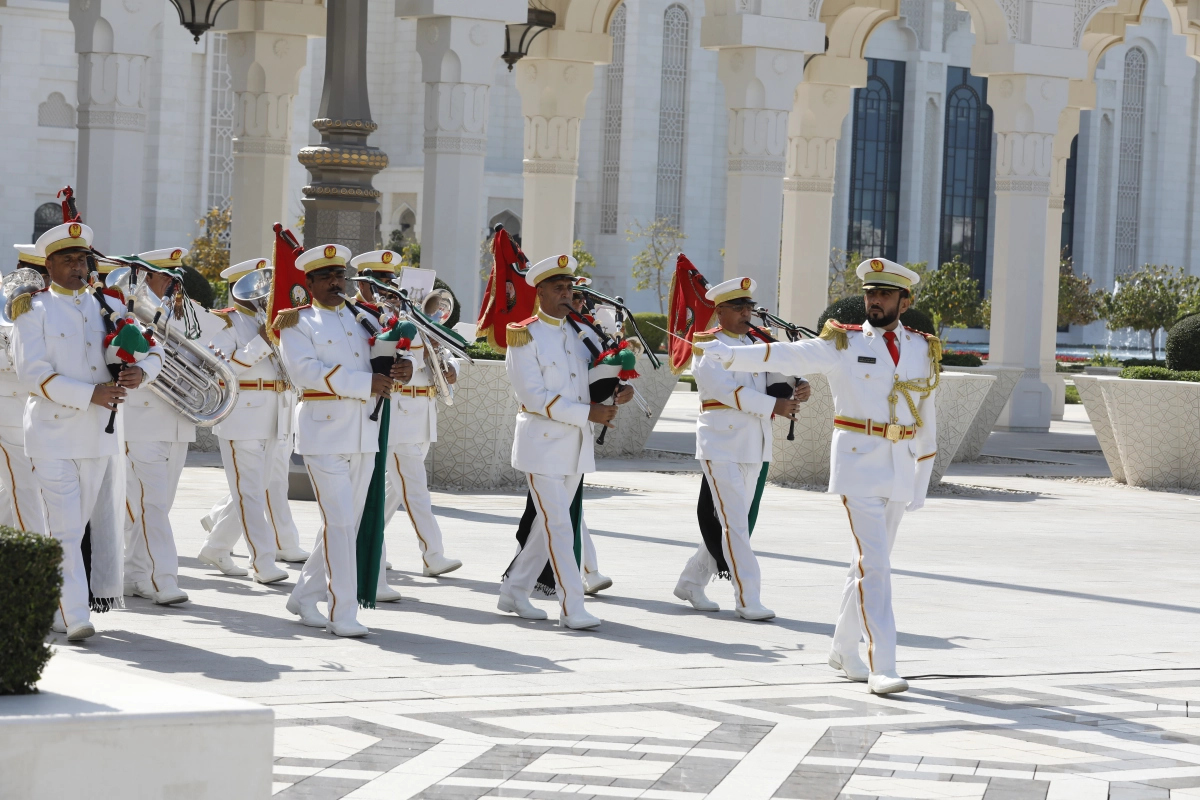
{"points": [[538, 20], [198, 15]]}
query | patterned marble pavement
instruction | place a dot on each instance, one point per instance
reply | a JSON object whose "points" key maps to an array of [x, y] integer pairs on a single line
{"points": [[1119, 736]]}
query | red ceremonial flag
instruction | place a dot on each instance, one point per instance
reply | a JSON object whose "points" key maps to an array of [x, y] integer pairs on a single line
{"points": [[287, 281], [508, 298], [690, 311]]}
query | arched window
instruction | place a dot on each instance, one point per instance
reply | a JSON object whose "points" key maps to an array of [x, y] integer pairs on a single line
{"points": [[614, 79], [45, 217], [966, 172], [510, 221], [56, 112], [875, 160], [1129, 173], [220, 124], [672, 115]]}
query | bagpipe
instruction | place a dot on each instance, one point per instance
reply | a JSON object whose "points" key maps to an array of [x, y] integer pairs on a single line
{"points": [[784, 389]]}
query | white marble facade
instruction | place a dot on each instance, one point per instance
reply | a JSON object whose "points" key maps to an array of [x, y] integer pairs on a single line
{"points": [[652, 141]]}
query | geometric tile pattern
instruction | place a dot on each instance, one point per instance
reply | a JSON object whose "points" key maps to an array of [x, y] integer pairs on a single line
{"points": [[1121, 737], [1157, 428], [1092, 398], [997, 398], [805, 461]]}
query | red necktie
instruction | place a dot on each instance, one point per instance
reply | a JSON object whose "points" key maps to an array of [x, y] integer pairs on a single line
{"points": [[890, 338]]}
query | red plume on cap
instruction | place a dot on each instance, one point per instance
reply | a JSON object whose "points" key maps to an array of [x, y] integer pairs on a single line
{"points": [[70, 212], [690, 311], [508, 298], [287, 281]]}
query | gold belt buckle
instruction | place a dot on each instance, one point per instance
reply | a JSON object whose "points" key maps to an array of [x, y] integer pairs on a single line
{"points": [[893, 433]]}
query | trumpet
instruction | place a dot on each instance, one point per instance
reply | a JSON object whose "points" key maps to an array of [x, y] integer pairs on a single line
{"points": [[253, 289], [19, 282]]}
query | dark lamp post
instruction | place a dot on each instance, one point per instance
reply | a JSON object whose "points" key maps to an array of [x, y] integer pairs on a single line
{"points": [[198, 15], [539, 20]]}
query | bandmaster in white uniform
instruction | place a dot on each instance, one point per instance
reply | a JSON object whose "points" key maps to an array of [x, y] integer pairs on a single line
{"points": [[733, 441], [547, 365], [883, 377], [327, 354], [413, 429], [256, 448], [60, 356], [156, 445]]}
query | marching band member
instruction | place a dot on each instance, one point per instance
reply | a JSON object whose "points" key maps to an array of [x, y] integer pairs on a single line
{"points": [[733, 441], [547, 365], [413, 429], [59, 344], [328, 356], [884, 443], [156, 445], [256, 448], [20, 502]]}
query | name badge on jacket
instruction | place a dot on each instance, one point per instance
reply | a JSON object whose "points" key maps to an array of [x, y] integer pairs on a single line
{"points": [[866, 359]]}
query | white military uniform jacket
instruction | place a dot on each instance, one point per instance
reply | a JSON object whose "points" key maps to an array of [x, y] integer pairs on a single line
{"points": [[413, 416], [265, 413], [12, 392], [735, 410], [59, 349], [862, 378], [149, 418], [547, 365], [327, 355]]}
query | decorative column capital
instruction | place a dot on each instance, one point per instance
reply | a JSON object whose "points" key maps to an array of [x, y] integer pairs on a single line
{"points": [[553, 98], [757, 141], [456, 118]]}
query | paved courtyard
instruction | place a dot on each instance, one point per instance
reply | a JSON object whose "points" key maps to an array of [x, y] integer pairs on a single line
{"points": [[1048, 625]]}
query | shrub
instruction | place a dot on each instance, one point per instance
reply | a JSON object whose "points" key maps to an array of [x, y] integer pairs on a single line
{"points": [[482, 351], [1160, 374], [30, 582], [690, 380], [853, 311], [1073, 396], [197, 287], [1135, 362], [1183, 344], [961, 360], [656, 339]]}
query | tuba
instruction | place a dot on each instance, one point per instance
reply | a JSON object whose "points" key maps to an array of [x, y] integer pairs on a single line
{"points": [[18, 282], [254, 289], [193, 380]]}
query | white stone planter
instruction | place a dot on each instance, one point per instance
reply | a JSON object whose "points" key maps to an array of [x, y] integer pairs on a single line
{"points": [[475, 435], [1154, 425], [97, 732], [806, 460], [997, 397]]}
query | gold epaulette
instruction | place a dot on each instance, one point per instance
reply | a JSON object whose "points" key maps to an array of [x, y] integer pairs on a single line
{"points": [[288, 318], [935, 345], [517, 334], [20, 304], [835, 332], [225, 316], [705, 336]]}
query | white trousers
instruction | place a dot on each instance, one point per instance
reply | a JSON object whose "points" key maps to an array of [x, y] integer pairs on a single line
{"points": [[590, 564], [20, 502], [340, 483], [552, 537], [257, 505], [154, 469], [408, 485], [69, 489], [732, 486], [866, 609]]}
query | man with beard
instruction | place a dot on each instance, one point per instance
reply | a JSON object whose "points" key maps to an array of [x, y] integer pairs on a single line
{"points": [[884, 443]]}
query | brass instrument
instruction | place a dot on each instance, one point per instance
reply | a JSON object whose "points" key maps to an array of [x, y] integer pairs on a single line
{"points": [[18, 282], [438, 305], [193, 380], [254, 289]]}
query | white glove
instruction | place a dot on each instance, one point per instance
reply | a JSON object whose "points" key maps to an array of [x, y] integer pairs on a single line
{"points": [[718, 351], [915, 505]]}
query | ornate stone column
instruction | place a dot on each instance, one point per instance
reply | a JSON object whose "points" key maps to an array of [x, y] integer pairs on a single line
{"points": [[1024, 292], [458, 62], [554, 94], [814, 128], [340, 205], [113, 39]]}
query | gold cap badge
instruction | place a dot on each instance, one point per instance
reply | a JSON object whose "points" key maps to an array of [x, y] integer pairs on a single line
{"points": [[75, 230], [262, 262], [877, 265], [745, 283], [563, 261], [331, 251], [387, 257], [176, 254]]}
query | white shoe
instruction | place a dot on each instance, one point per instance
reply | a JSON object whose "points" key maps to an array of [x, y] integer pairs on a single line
{"points": [[595, 582], [758, 612], [80, 631], [850, 664], [886, 683], [309, 615], [386, 594], [223, 562], [579, 622], [696, 596], [387, 565], [163, 597], [272, 574], [438, 565], [294, 555], [520, 606], [130, 589], [352, 629]]}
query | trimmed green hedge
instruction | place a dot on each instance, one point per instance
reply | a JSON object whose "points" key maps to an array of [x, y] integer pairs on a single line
{"points": [[1138, 362], [656, 339], [1160, 374], [1183, 344], [30, 582], [482, 351], [961, 360], [853, 311]]}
